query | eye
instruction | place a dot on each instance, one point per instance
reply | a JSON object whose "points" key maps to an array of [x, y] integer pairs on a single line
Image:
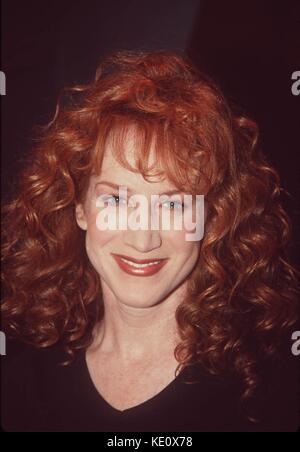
{"points": [[174, 205], [113, 200]]}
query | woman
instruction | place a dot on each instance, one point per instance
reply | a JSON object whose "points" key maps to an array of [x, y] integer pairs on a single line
{"points": [[155, 332]]}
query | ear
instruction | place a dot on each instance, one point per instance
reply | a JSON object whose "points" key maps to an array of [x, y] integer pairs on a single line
{"points": [[80, 217]]}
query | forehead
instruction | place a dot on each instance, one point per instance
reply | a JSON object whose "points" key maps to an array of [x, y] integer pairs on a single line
{"points": [[127, 141], [112, 170]]}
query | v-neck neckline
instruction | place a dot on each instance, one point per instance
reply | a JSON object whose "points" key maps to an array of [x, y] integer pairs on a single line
{"points": [[97, 396]]}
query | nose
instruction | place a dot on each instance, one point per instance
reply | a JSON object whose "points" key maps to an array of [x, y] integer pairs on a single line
{"points": [[142, 241]]}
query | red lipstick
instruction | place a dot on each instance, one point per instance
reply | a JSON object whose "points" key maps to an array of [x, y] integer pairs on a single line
{"points": [[139, 267]]}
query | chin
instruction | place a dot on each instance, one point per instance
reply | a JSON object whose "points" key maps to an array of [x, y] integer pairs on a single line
{"points": [[137, 300]]}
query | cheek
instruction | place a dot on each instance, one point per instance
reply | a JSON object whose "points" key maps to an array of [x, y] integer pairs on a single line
{"points": [[96, 243], [179, 245], [95, 238]]}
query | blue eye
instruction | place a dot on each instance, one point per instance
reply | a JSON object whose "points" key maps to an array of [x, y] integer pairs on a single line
{"points": [[114, 200], [175, 205]]}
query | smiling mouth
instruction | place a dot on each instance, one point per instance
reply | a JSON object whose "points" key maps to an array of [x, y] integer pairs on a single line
{"points": [[134, 264], [139, 267]]}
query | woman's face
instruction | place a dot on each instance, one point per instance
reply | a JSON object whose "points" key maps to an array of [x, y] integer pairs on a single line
{"points": [[134, 284]]}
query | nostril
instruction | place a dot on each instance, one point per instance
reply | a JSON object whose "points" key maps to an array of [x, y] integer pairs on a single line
{"points": [[142, 241]]}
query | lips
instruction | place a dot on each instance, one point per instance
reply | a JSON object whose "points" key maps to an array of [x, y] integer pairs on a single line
{"points": [[139, 267]]}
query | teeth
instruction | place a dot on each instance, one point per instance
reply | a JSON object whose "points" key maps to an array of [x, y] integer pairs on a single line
{"points": [[140, 265]]}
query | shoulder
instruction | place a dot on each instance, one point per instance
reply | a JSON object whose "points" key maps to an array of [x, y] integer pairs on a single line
{"points": [[26, 380], [27, 363], [279, 395], [275, 405]]}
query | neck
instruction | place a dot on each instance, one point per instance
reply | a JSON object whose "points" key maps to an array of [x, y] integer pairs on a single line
{"points": [[130, 332]]}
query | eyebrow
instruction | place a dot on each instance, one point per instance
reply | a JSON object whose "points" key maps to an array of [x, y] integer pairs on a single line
{"points": [[116, 186]]}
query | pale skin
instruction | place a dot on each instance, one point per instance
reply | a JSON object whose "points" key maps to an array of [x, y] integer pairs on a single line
{"points": [[132, 357]]}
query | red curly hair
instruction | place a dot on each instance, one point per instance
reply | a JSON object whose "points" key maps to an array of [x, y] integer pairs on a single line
{"points": [[242, 293]]}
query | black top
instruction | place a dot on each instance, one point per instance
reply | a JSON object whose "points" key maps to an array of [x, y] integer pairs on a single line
{"points": [[38, 394]]}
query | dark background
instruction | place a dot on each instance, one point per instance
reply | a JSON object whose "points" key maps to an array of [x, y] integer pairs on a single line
{"points": [[250, 48]]}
